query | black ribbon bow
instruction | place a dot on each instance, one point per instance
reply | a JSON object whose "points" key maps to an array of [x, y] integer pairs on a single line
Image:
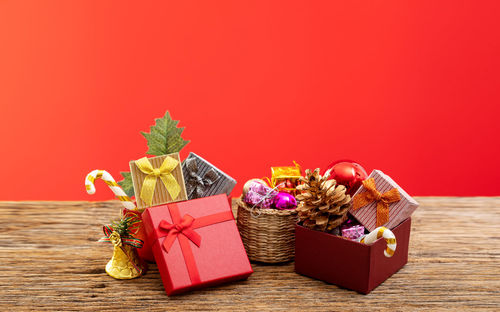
{"points": [[196, 186]]}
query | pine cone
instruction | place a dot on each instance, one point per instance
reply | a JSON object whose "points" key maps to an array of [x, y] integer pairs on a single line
{"points": [[323, 205]]}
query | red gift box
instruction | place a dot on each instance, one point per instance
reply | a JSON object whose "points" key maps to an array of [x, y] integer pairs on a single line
{"points": [[196, 243], [146, 252], [347, 263]]}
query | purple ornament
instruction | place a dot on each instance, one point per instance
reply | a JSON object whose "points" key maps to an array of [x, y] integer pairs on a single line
{"points": [[259, 195], [284, 201]]}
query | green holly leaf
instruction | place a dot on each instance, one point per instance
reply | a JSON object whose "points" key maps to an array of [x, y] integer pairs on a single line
{"points": [[127, 184], [163, 138]]}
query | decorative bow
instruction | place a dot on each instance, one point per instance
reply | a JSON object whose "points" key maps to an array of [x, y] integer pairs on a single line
{"points": [[112, 236], [197, 184], [184, 227], [164, 173], [373, 195]]}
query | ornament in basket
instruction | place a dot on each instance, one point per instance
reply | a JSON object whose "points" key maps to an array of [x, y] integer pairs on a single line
{"points": [[266, 222]]}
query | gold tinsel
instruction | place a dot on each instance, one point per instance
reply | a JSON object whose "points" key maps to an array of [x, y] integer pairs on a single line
{"points": [[323, 205]]}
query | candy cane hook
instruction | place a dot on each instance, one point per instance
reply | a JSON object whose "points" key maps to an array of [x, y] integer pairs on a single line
{"points": [[387, 234], [108, 179]]}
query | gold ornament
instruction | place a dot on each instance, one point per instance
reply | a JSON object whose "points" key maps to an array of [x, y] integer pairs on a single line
{"points": [[247, 185], [125, 263]]}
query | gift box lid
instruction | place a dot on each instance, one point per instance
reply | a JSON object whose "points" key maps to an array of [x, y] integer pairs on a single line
{"points": [[220, 255], [398, 211]]}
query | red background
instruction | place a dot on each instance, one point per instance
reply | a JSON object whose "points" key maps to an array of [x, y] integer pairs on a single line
{"points": [[411, 88]]}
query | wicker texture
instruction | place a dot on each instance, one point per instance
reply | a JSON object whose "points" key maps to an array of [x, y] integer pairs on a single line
{"points": [[268, 234]]}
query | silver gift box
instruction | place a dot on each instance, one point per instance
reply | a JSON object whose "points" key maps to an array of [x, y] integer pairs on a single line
{"points": [[203, 179]]}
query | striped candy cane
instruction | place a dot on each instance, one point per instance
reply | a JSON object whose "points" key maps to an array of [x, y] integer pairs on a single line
{"points": [[108, 179], [387, 234]]}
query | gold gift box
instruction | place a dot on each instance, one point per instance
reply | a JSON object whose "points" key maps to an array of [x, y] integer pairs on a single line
{"points": [[281, 174]]}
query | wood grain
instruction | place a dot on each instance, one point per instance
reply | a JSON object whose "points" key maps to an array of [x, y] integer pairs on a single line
{"points": [[51, 261]]}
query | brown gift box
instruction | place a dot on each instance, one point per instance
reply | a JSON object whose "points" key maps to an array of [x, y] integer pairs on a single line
{"points": [[347, 263], [161, 195]]}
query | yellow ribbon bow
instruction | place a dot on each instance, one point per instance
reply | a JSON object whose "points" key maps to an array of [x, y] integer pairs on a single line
{"points": [[164, 173], [383, 200]]}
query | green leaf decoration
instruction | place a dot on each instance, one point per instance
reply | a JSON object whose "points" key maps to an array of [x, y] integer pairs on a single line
{"points": [[163, 138], [126, 183], [125, 227]]}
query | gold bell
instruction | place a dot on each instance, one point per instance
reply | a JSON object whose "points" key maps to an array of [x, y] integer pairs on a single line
{"points": [[125, 263]]}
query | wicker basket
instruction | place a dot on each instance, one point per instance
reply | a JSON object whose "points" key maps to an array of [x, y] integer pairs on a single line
{"points": [[268, 234]]}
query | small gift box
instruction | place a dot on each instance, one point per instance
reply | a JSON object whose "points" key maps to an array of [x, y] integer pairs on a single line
{"points": [[288, 176], [158, 180], [196, 243], [381, 202], [347, 263], [204, 179], [353, 232]]}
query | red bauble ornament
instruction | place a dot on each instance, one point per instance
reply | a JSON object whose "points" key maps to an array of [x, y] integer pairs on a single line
{"points": [[348, 173]]}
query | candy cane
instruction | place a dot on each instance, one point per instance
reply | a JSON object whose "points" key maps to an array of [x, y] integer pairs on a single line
{"points": [[387, 234], [108, 179]]}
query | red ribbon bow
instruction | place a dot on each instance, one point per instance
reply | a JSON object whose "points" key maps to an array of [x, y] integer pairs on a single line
{"points": [[184, 227]]}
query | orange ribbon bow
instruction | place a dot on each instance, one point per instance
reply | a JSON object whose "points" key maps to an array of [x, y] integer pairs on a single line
{"points": [[373, 195]]}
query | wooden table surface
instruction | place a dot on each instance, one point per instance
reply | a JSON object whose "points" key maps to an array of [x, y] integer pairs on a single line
{"points": [[50, 260]]}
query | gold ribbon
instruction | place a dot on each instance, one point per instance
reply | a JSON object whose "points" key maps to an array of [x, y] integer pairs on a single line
{"points": [[373, 195], [164, 173], [286, 171]]}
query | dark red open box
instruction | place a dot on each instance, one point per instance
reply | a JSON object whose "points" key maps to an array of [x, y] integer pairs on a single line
{"points": [[347, 263]]}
